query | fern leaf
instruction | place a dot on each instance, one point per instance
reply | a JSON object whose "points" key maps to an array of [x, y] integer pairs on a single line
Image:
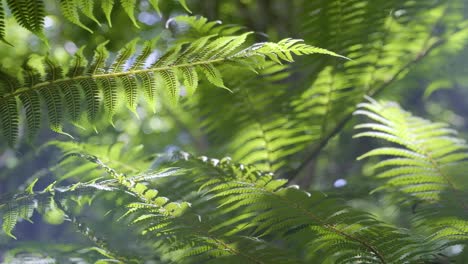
{"points": [[32, 104], [36, 16], [213, 75], [53, 102], [129, 7], [92, 97], [73, 99], [29, 14], [9, 119], [99, 60], [78, 64], [53, 71], [149, 88], [109, 89], [426, 158], [107, 6], [87, 8], [190, 77], [10, 218], [123, 56], [131, 91], [170, 82], [2, 23], [148, 47], [69, 9]]}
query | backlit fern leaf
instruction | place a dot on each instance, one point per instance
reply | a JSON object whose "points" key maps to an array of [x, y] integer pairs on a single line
{"points": [[98, 81], [425, 161]]}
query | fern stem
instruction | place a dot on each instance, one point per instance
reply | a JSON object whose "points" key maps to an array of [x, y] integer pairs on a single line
{"points": [[56, 83], [330, 227]]}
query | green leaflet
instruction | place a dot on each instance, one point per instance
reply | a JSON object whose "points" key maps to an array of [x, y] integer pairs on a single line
{"points": [[131, 91], [2, 23], [123, 56], [69, 9], [146, 51], [36, 16], [92, 97], [78, 64], [109, 89], [129, 6], [53, 102], [213, 75], [107, 6], [53, 71], [73, 100], [190, 77], [169, 79], [32, 104], [10, 218], [9, 119], [149, 88], [99, 60], [87, 8], [29, 14]]}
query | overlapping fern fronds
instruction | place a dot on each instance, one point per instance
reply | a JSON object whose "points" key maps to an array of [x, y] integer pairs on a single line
{"points": [[320, 95], [326, 100], [30, 14], [226, 212], [98, 84], [426, 164]]}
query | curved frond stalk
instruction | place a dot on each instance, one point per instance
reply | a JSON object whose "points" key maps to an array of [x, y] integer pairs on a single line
{"points": [[428, 157], [98, 83]]}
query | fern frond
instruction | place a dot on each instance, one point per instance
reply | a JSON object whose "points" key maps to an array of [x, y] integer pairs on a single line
{"points": [[126, 160], [9, 119], [69, 10], [238, 213], [427, 157], [2, 23], [427, 163], [29, 14], [265, 207], [325, 102], [99, 84]]}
